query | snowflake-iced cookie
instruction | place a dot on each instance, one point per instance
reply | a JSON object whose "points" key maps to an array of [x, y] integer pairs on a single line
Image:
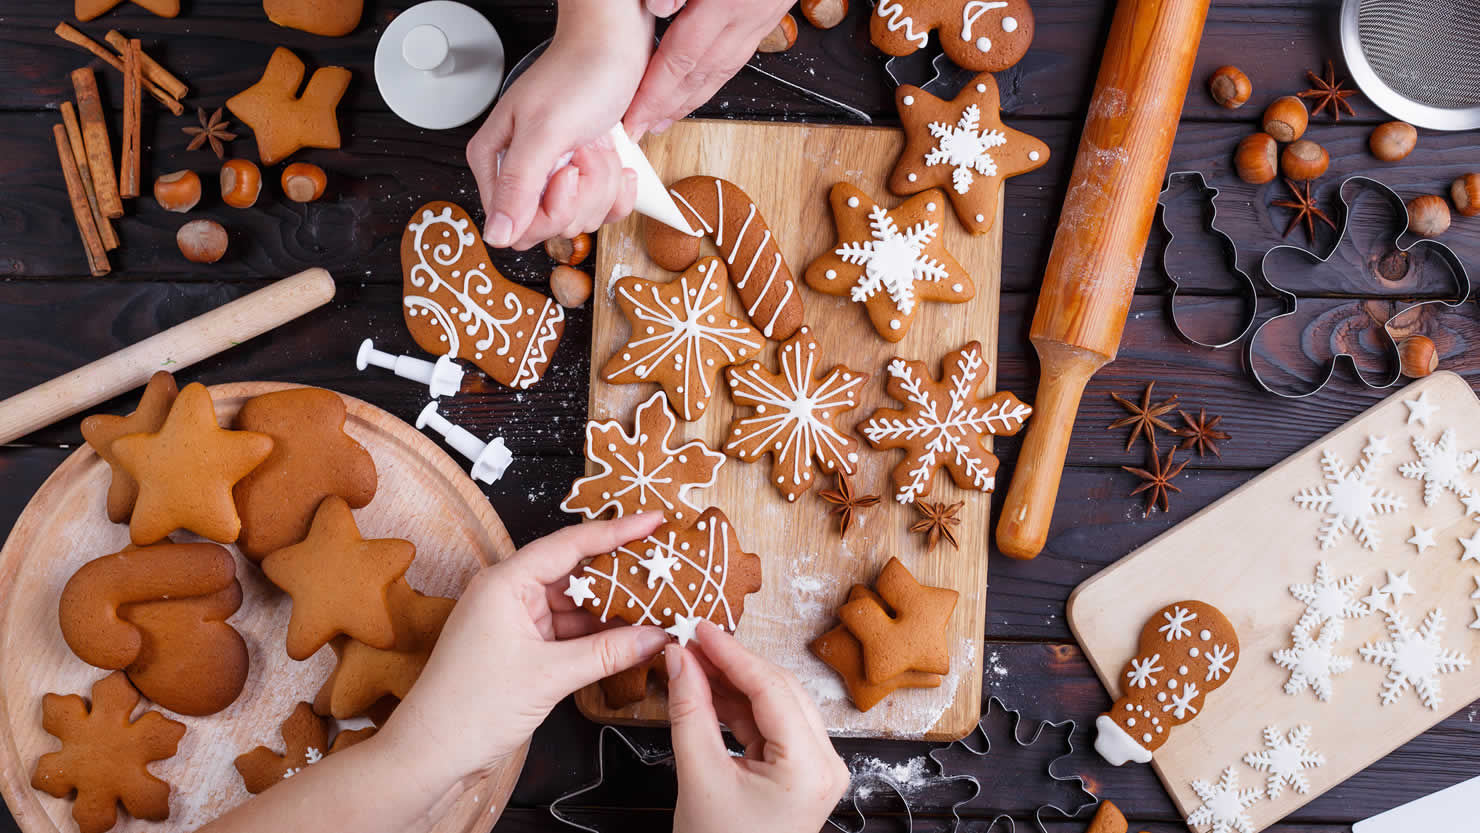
{"points": [[982, 35], [643, 471], [1349, 498], [681, 336], [794, 415], [962, 146], [943, 423], [890, 261], [1186, 650]]}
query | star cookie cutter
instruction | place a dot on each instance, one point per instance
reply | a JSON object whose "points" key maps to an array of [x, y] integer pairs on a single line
{"points": [[946, 79], [646, 757], [1247, 288], [1445, 255]]}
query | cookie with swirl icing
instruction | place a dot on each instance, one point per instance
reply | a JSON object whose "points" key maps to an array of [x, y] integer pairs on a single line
{"points": [[980, 35]]}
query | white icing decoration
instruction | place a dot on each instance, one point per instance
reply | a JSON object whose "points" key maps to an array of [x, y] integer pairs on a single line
{"points": [[1219, 659], [1176, 623], [984, 44], [1420, 409], [1397, 586], [1141, 670], [896, 19], [1224, 805], [1009, 24], [1311, 662], [1349, 499], [1472, 547], [972, 12], [1422, 538], [892, 261], [1284, 759], [579, 589], [1181, 705], [1441, 467], [1114, 745], [659, 566], [964, 147], [1327, 600], [852, 202], [1376, 600], [1414, 658], [683, 627], [1033, 155], [908, 100]]}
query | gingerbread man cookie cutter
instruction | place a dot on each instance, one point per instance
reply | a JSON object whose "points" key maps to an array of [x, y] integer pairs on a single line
{"points": [[1247, 287]]}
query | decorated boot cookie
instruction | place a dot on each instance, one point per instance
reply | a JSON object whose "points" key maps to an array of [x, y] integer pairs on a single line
{"points": [[978, 35]]}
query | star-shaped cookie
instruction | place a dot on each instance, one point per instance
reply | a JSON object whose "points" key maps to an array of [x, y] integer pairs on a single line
{"points": [[100, 430], [841, 651], [365, 675], [962, 146], [186, 469], [340, 583], [284, 121], [914, 638]]}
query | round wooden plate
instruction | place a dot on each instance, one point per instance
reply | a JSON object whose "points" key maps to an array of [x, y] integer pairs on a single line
{"points": [[423, 496]]}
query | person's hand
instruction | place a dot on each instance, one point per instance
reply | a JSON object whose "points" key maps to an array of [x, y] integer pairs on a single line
{"points": [[515, 646], [790, 777], [703, 48], [565, 103]]}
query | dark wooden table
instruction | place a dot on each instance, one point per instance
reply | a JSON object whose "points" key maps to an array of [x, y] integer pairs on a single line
{"points": [[53, 318]]}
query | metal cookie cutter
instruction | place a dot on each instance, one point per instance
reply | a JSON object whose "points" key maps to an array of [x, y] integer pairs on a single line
{"points": [[1246, 283], [1441, 251], [945, 80], [645, 757]]}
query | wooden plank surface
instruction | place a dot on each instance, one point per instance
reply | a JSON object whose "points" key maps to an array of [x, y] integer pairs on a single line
{"points": [[807, 569]]}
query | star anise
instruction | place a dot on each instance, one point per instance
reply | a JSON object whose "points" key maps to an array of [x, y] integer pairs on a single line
{"points": [[1328, 92], [212, 129], [848, 503], [1158, 481], [1144, 418], [1201, 433], [936, 522], [1305, 208]]}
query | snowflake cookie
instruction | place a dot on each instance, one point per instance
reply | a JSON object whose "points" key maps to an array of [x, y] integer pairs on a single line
{"points": [[1224, 805], [962, 146], [980, 35], [1414, 658], [1284, 759], [681, 336], [1313, 662], [1327, 600], [943, 423], [1441, 467], [1349, 498], [889, 261], [642, 471], [795, 416]]}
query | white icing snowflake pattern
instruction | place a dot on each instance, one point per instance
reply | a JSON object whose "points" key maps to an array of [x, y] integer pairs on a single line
{"points": [[1220, 659], [1350, 499], [1312, 662], [1224, 805], [964, 146], [1327, 600], [311, 756], [1441, 467], [1176, 626], [1414, 658], [893, 261], [1141, 670], [1181, 704], [1284, 759]]}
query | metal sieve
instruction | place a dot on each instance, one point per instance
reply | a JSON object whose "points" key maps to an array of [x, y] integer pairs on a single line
{"points": [[1418, 60]]}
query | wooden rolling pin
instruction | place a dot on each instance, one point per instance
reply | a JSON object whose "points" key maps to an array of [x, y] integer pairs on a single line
{"points": [[178, 347], [1091, 274]]}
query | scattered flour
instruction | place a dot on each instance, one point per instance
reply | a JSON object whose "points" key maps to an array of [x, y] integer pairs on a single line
{"points": [[909, 777]]}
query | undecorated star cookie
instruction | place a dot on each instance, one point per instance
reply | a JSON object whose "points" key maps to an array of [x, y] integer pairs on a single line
{"points": [[982, 35], [364, 676], [282, 120], [100, 430], [843, 653], [908, 636]]}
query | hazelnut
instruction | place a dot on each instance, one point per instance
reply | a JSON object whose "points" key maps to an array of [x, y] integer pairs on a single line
{"points": [[1285, 119], [781, 38], [1256, 159], [178, 191], [241, 182], [570, 251], [1230, 87], [824, 14], [1417, 356], [1465, 192], [304, 182], [1428, 215], [1392, 141], [201, 241], [570, 286], [1304, 159]]}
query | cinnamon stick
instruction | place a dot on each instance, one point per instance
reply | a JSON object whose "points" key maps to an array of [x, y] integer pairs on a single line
{"points": [[95, 141], [129, 159], [79, 155], [152, 70], [69, 33], [97, 256]]}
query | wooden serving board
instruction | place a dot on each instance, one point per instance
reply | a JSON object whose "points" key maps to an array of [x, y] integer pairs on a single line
{"points": [[1242, 554], [787, 169], [423, 496]]}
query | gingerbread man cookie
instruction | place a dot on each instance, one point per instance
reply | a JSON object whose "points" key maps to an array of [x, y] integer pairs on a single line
{"points": [[962, 146], [978, 35], [365, 676], [794, 417], [910, 635], [1186, 650], [305, 742], [100, 430], [890, 261], [758, 270], [105, 755], [643, 471], [455, 301], [843, 653], [681, 336]]}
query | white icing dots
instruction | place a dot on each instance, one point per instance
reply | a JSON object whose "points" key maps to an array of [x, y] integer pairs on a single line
{"points": [[909, 100], [981, 88], [1034, 156], [852, 202], [1009, 24], [913, 177], [984, 43]]}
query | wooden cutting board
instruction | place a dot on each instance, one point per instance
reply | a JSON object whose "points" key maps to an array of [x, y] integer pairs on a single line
{"points": [[787, 169], [423, 496], [1242, 554]]}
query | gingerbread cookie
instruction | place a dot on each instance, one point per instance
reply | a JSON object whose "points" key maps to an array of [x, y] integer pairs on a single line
{"points": [[889, 270], [1186, 650], [681, 336], [100, 430], [86, 10], [1108, 819], [455, 302], [977, 35], [340, 583], [962, 146], [312, 458], [795, 416], [910, 638], [624, 688], [345, 738], [284, 121], [677, 576], [330, 18], [192, 661], [841, 651], [944, 423], [305, 742], [642, 471], [365, 675], [105, 755], [186, 470], [756, 267]]}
